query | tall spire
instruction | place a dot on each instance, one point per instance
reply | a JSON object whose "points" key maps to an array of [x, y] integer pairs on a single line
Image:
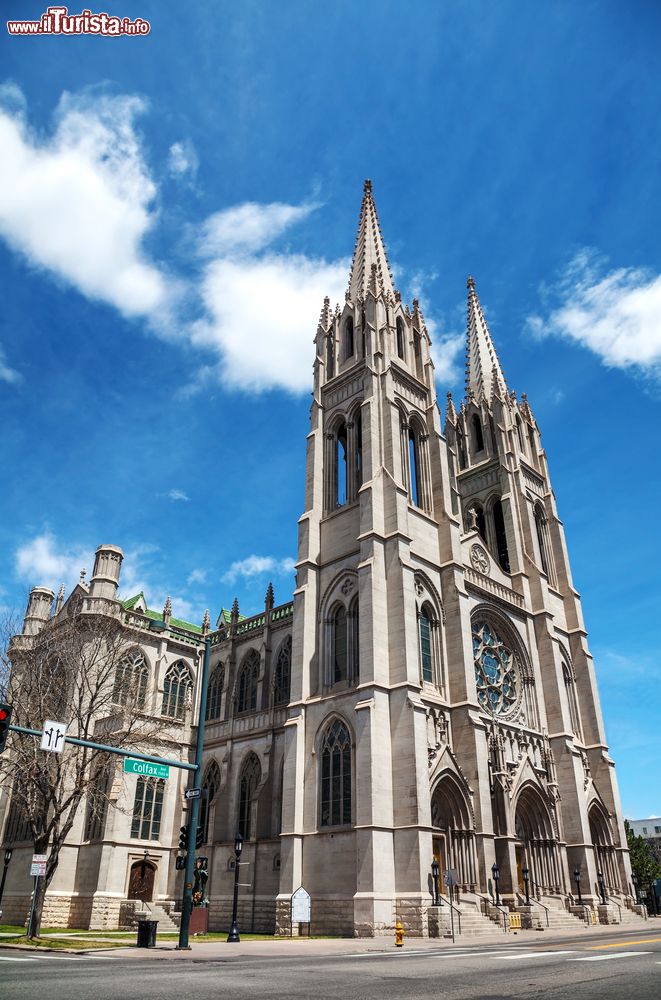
{"points": [[483, 371], [369, 267]]}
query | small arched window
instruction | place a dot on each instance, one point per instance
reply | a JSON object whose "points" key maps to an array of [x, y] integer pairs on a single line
{"points": [[417, 353], [414, 469], [335, 776], [542, 537], [282, 674], [348, 337], [399, 329], [251, 775], [246, 700], [340, 645], [178, 682], [215, 693], [501, 536], [461, 448], [330, 358], [519, 434], [426, 647], [131, 678], [210, 785], [570, 688], [478, 437], [341, 464]]}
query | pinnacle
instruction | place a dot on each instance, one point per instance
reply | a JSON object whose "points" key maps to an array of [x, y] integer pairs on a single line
{"points": [[484, 376], [370, 270]]}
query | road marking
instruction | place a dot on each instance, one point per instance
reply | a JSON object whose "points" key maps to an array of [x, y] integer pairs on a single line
{"points": [[620, 944], [418, 952], [534, 954], [604, 958], [10, 958]]}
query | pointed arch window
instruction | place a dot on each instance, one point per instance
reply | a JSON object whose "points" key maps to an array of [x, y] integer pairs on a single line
{"points": [[543, 541], [335, 797], [348, 337], [414, 472], [147, 808], [572, 700], [415, 460], [251, 775], [363, 324], [478, 437], [247, 686], [461, 448], [358, 449], [340, 645], [282, 674], [17, 827], [97, 805], [131, 676], [341, 464], [176, 686], [399, 331], [417, 353], [215, 693], [501, 536], [426, 648], [210, 785], [519, 434], [330, 358]]}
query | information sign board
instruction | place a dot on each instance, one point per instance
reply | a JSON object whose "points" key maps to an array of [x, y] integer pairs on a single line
{"points": [[38, 866], [301, 906]]}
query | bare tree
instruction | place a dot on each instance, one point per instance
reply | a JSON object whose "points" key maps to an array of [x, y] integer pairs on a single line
{"points": [[78, 669]]}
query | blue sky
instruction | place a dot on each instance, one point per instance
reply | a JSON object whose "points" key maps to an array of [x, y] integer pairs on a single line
{"points": [[174, 207]]}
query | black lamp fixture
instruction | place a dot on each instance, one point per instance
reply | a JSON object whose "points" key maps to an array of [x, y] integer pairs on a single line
{"points": [[233, 935], [577, 880], [602, 887], [8, 853], [634, 879], [434, 873], [495, 871], [526, 883]]}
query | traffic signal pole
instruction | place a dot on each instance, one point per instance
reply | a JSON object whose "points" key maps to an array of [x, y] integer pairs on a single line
{"points": [[187, 900]]}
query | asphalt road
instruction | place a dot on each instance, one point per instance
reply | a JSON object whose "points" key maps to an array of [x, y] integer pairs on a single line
{"points": [[629, 967]]}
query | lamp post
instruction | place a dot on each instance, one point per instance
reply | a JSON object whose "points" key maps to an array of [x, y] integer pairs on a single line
{"points": [[187, 902], [577, 880], [526, 882], [634, 880], [8, 853], [602, 887], [234, 929], [434, 875], [495, 871]]}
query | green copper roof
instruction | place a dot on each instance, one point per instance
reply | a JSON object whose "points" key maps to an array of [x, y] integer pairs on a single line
{"points": [[157, 616]]}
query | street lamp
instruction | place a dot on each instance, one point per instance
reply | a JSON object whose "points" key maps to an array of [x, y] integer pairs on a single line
{"points": [[495, 871], [234, 930], [577, 880], [8, 853], [602, 887], [434, 875], [526, 882]]}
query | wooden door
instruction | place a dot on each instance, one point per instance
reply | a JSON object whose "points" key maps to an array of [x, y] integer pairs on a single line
{"points": [[141, 881]]}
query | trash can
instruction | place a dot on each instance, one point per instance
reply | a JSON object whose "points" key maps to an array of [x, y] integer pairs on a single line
{"points": [[147, 933]]}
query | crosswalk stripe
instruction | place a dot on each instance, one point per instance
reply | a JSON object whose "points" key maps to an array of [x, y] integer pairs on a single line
{"points": [[605, 958], [11, 958], [535, 954]]}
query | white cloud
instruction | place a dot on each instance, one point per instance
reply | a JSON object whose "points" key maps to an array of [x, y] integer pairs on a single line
{"points": [[447, 353], [44, 561], [256, 566], [8, 374], [177, 495], [615, 314], [262, 316], [196, 576], [182, 159], [79, 203], [249, 227]]}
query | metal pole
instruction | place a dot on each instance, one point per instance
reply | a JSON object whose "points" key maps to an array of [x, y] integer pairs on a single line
{"points": [[451, 914], [233, 936], [187, 901], [2, 884], [122, 751], [34, 900]]}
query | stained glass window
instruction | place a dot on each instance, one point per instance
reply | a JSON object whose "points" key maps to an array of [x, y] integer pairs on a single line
{"points": [[131, 680], [496, 673], [424, 625], [282, 674], [178, 681], [248, 678], [336, 776], [147, 809], [215, 693]]}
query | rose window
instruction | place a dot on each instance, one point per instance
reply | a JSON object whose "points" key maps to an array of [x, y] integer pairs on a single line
{"points": [[496, 673]]}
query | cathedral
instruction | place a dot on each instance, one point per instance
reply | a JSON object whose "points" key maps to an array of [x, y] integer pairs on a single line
{"points": [[426, 702]]}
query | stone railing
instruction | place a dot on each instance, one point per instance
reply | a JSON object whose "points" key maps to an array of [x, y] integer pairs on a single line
{"points": [[489, 586]]}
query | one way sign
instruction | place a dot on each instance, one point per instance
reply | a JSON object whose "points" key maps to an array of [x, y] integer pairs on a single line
{"points": [[52, 737]]}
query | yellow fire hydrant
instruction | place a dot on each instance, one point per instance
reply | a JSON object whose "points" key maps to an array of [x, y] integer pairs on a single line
{"points": [[399, 935]]}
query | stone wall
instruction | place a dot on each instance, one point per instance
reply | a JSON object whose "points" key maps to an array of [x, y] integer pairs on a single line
{"points": [[412, 914], [253, 916]]}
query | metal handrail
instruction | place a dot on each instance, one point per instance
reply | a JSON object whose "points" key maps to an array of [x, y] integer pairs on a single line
{"points": [[539, 902], [501, 909], [453, 906], [610, 900]]}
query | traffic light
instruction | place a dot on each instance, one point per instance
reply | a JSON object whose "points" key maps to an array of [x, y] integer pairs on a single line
{"points": [[5, 719], [199, 837], [179, 863], [183, 838]]}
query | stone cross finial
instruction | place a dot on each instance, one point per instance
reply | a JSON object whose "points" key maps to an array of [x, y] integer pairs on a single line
{"points": [[206, 622], [269, 599], [167, 610]]}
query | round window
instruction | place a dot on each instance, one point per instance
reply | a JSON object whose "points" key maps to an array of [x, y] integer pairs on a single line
{"points": [[496, 671]]}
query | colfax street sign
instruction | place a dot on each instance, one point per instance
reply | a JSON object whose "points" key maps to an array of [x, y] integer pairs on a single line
{"points": [[146, 768], [52, 737]]}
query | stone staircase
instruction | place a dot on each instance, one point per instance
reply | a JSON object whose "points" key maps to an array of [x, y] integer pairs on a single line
{"points": [[554, 919], [166, 923]]}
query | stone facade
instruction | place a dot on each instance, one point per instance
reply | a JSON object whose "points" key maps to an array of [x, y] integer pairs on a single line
{"points": [[429, 693]]}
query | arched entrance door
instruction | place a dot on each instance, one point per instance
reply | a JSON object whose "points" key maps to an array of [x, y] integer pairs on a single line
{"points": [[141, 881], [454, 839], [537, 848], [602, 841]]}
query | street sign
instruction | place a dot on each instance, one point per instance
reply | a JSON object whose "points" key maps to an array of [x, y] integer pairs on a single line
{"points": [[52, 737], [146, 768], [301, 905], [38, 866], [192, 793], [450, 877]]}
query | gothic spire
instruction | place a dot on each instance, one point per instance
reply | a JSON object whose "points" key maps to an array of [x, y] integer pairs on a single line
{"points": [[369, 268], [484, 376]]}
